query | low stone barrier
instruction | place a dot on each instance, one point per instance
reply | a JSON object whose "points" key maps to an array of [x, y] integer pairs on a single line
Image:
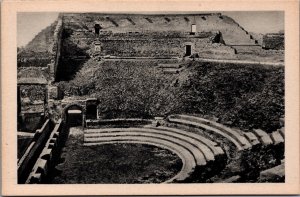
{"points": [[47, 157], [30, 156], [119, 121]]}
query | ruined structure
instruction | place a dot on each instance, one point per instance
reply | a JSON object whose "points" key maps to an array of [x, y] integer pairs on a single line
{"points": [[134, 72], [273, 41]]}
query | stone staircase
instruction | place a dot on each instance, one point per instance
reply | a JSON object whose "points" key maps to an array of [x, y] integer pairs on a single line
{"points": [[171, 68]]}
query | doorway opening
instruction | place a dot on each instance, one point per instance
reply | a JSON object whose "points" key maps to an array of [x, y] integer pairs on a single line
{"points": [[74, 115], [188, 50], [91, 112], [97, 29]]}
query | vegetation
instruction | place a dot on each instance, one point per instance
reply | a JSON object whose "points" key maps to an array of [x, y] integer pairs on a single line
{"points": [[244, 96]]}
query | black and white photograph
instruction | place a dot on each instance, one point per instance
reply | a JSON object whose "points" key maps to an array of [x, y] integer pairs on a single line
{"points": [[150, 97]]}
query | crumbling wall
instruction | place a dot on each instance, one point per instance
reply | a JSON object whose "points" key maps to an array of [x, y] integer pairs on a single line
{"points": [[56, 48], [273, 41], [32, 106], [141, 44], [37, 52], [48, 155], [30, 156], [82, 41]]}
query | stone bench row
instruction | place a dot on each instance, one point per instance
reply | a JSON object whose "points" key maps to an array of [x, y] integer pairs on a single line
{"points": [[203, 150], [172, 70], [197, 154], [235, 136], [200, 128], [174, 65], [213, 146], [207, 148], [93, 123], [188, 161], [276, 137], [242, 140], [47, 156]]}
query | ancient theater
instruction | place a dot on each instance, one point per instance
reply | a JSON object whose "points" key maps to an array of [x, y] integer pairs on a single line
{"points": [[150, 98]]}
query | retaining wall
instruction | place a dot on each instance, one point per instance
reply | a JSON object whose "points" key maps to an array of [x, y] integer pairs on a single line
{"points": [[30, 156], [120, 121], [273, 41], [48, 156], [56, 48]]}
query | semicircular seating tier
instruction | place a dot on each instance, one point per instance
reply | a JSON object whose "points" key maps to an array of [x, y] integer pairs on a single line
{"points": [[195, 151], [241, 140]]}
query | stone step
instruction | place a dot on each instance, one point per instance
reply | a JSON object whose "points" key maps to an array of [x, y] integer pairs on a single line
{"points": [[198, 155], [208, 154], [276, 137], [282, 132], [188, 161], [238, 136], [208, 128], [212, 146], [174, 65], [281, 121], [172, 70], [263, 136], [252, 138]]}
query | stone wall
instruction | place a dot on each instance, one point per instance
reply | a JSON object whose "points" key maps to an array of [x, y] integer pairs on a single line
{"points": [[273, 41], [232, 32], [36, 59], [32, 106], [141, 44], [48, 155], [56, 48], [30, 156]]}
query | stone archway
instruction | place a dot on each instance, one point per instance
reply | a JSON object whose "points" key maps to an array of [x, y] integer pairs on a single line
{"points": [[73, 115]]}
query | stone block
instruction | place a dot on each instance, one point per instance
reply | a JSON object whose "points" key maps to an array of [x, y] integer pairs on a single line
{"points": [[53, 140], [275, 174], [35, 178], [47, 154], [281, 131], [51, 145], [263, 136], [277, 138], [281, 121], [252, 138], [233, 179], [42, 166], [53, 92]]}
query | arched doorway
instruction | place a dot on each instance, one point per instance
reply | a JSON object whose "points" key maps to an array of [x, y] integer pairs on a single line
{"points": [[73, 115]]}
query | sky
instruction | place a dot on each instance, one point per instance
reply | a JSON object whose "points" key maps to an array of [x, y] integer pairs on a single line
{"points": [[31, 23], [259, 22]]}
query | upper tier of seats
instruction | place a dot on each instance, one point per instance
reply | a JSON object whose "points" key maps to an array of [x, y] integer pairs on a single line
{"points": [[232, 33]]}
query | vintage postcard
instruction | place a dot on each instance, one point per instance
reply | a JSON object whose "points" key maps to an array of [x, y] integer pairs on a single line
{"points": [[150, 97]]}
